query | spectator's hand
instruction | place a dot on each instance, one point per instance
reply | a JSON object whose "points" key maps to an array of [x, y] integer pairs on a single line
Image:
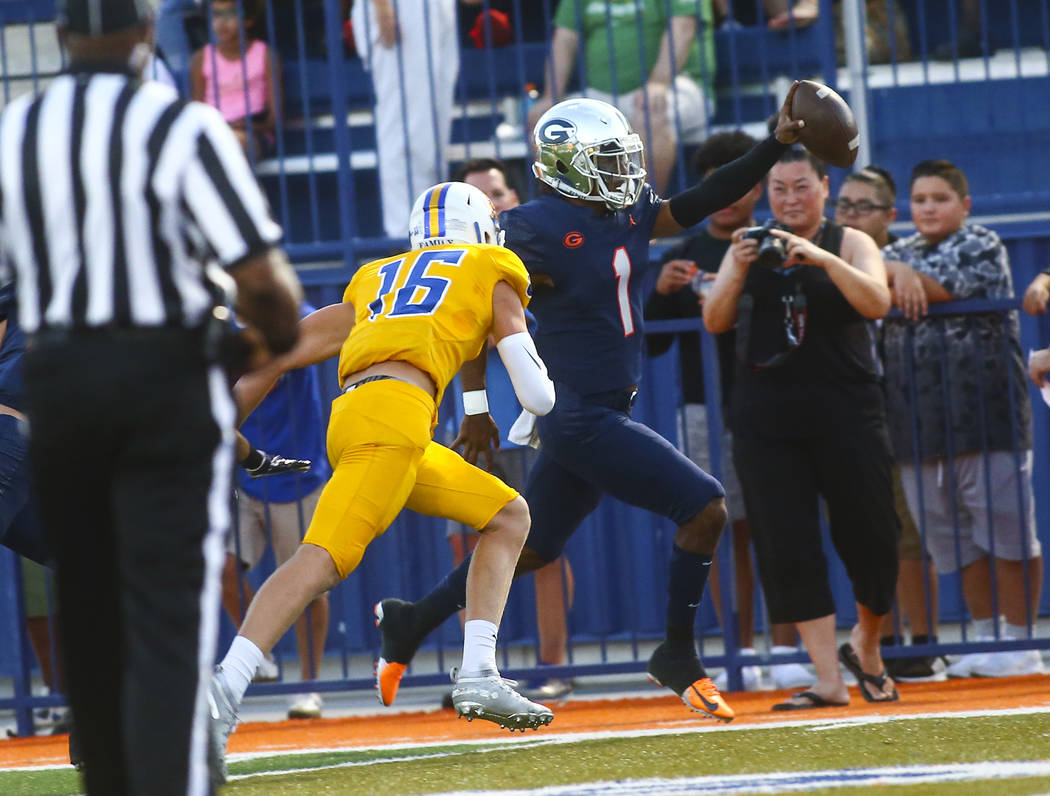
{"points": [[1039, 367], [801, 251], [804, 17], [787, 128], [745, 250], [908, 293], [259, 463], [1037, 296], [478, 434], [539, 107], [651, 100], [389, 35], [674, 275]]}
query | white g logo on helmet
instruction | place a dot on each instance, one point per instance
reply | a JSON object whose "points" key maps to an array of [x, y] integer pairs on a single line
{"points": [[453, 212]]}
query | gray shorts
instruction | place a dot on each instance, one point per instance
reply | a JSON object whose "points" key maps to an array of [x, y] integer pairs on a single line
{"points": [[1010, 508], [258, 521], [696, 447]]}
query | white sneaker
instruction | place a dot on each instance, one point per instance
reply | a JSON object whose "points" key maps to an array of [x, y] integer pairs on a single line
{"points": [[789, 675], [268, 670], [1009, 664], [306, 706], [967, 665], [751, 675]]}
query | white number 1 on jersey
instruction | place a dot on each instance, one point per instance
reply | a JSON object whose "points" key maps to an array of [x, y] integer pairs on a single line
{"points": [[622, 268]]}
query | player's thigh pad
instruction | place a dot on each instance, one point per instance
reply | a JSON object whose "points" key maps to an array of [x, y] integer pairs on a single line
{"points": [[559, 500], [627, 459], [449, 486], [376, 438]]}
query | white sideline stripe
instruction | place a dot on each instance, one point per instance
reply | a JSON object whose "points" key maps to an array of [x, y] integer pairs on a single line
{"points": [[787, 782], [549, 738]]}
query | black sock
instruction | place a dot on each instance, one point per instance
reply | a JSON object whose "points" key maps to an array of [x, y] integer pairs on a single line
{"points": [[449, 596], [890, 641], [687, 576], [923, 639]]}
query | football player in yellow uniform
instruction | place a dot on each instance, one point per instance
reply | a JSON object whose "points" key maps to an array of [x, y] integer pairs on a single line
{"points": [[405, 326]]}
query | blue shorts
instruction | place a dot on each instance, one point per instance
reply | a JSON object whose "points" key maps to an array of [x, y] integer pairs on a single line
{"points": [[592, 447]]}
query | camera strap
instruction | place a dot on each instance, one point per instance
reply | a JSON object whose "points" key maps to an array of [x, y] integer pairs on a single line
{"points": [[795, 319]]}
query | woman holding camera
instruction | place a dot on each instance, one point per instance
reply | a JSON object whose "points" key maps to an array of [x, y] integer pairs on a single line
{"points": [[809, 421]]}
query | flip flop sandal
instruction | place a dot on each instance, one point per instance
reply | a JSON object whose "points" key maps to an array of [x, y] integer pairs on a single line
{"points": [[815, 701], [850, 660]]}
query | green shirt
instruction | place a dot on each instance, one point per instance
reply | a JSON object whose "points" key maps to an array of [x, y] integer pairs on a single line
{"points": [[610, 29]]}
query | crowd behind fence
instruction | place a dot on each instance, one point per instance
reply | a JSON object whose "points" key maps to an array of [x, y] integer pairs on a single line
{"points": [[928, 83]]}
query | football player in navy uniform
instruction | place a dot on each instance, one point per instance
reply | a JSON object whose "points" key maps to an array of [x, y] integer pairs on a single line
{"points": [[585, 241]]}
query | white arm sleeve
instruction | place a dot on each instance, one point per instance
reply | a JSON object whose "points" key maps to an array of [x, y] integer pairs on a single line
{"points": [[527, 372]]}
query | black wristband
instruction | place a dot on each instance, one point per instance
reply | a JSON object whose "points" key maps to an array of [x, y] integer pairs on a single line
{"points": [[253, 460], [726, 184]]}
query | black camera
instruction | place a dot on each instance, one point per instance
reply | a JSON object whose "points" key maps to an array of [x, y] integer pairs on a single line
{"points": [[772, 251]]}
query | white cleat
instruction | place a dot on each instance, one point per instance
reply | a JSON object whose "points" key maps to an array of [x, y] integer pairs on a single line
{"points": [[222, 722], [488, 696]]}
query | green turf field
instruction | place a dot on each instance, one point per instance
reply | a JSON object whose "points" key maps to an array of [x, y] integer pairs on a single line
{"points": [[742, 760]]}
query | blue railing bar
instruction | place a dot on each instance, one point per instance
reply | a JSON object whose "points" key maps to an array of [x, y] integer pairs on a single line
{"points": [[336, 65]]}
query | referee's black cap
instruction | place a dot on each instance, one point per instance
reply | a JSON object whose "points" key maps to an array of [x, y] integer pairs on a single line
{"points": [[98, 17]]}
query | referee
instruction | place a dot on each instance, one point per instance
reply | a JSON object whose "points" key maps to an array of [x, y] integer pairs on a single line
{"points": [[113, 197]]}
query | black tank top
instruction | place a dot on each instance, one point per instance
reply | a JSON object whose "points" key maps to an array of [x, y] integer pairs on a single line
{"points": [[807, 357]]}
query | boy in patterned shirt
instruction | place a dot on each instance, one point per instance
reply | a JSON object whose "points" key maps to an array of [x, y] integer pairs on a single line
{"points": [[971, 475]]}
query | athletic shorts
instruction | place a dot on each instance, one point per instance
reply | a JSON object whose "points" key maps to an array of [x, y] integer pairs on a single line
{"points": [[687, 108], [259, 521], [509, 465], [1011, 533], [383, 460]]}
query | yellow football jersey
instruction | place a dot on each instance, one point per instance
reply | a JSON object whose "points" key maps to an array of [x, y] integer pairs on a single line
{"points": [[431, 308]]}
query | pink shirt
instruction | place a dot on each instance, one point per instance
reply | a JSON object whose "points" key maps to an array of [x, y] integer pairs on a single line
{"points": [[227, 92]]}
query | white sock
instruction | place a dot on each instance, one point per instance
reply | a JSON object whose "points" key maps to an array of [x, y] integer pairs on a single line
{"points": [[239, 665], [779, 649], [984, 628], [479, 647], [1016, 631]]}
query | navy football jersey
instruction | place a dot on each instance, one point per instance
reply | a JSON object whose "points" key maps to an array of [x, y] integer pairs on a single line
{"points": [[589, 323]]}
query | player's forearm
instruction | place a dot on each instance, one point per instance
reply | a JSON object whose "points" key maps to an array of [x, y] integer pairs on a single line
{"points": [[727, 184], [674, 49], [472, 374], [563, 55]]}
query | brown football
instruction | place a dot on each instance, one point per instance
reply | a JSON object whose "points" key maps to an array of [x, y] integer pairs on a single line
{"points": [[831, 131]]}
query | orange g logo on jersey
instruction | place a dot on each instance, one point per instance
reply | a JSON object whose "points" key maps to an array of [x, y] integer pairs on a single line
{"points": [[572, 240]]}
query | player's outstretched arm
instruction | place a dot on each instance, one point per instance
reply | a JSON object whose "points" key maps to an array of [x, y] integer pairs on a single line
{"points": [[528, 374], [730, 182], [321, 336]]}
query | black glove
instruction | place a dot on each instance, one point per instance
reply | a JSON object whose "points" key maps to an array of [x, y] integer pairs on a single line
{"points": [[259, 463]]}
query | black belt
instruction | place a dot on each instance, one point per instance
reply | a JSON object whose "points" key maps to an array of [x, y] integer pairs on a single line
{"points": [[356, 384], [618, 400]]}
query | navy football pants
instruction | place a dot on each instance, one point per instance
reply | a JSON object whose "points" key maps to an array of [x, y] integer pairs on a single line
{"points": [[590, 449]]}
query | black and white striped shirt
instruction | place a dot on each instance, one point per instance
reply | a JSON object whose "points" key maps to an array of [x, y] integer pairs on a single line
{"points": [[113, 196]]}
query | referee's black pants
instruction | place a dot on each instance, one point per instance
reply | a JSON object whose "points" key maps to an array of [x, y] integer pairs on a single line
{"points": [[131, 455]]}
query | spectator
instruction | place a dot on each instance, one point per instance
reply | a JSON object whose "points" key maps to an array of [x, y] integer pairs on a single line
{"points": [[666, 96], [410, 48], [678, 294], [885, 32], [808, 416], [1037, 294], [867, 202], [987, 436], [289, 419], [242, 79], [554, 582], [779, 14], [41, 604]]}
